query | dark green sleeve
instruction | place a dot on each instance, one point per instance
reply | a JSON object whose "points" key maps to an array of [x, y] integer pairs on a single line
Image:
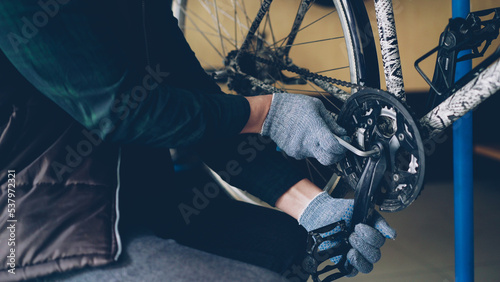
{"points": [[173, 117]]}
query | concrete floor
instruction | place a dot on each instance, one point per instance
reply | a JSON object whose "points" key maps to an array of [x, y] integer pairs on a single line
{"points": [[424, 248]]}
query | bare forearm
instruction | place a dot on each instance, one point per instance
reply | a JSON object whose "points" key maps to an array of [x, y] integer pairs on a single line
{"points": [[296, 199]]}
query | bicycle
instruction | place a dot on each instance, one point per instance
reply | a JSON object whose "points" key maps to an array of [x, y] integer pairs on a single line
{"points": [[386, 162]]}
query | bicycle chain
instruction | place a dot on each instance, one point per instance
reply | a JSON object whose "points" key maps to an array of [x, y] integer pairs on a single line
{"points": [[310, 75]]}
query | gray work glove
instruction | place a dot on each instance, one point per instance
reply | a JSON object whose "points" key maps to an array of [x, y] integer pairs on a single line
{"points": [[302, 127], [366, 240]]}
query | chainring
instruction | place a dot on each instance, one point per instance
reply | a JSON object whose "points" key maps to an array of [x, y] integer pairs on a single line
{"points": [[373, 116]]}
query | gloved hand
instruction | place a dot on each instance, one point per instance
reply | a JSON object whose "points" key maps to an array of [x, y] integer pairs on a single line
{"points": [[365, 240], [302, 127]]}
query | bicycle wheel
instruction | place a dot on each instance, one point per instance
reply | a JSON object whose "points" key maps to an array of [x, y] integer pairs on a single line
{"points": [[333, 40]]}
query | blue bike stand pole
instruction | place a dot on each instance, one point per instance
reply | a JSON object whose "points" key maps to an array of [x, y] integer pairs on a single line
{"points": [[463, 184]]}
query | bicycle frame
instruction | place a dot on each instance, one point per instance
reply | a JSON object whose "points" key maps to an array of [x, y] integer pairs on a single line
{"points": [[389, 48], [479, 84]]}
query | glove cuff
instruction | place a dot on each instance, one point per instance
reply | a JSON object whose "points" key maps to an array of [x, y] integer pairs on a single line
{"points": [[266, 126], [313, 215]]}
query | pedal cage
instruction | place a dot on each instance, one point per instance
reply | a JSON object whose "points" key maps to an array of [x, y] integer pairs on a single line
{"points": [[316, 257]]}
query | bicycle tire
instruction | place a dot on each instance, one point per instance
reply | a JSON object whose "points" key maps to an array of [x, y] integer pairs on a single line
{"points": [[355, 28]]}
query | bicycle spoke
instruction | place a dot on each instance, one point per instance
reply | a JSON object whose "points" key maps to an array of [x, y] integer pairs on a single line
{"points": [[319, 19], [201, 32], [314, 167], [281, 85], [243, 28], [215, 18], [219, 27], [323, 95], [229, 40], [235, 24], [208, 40], [306, 26], [308, 165], [258, 33], [241, 25], [334, 69], [210, 66], [218, 31], [271, 28], [249, 20], [315, 41]]}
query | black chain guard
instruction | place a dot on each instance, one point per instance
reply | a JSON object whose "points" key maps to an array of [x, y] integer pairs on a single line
{"points": [[373, 116]]}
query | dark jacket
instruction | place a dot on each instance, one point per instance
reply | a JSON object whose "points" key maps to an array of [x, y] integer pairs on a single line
{"points": [[64, 208]]}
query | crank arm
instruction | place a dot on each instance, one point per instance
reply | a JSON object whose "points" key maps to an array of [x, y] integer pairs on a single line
{"points": [[367, 186]]}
